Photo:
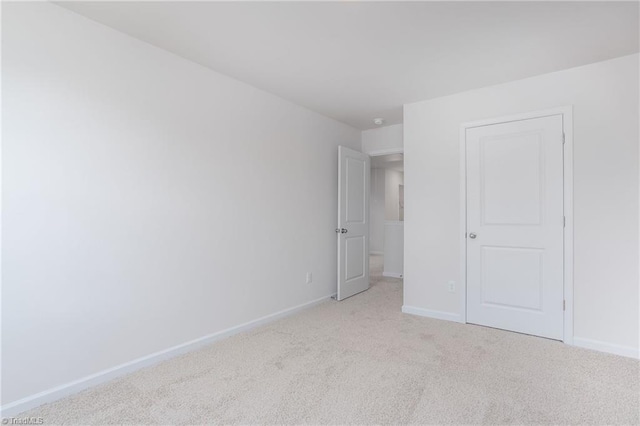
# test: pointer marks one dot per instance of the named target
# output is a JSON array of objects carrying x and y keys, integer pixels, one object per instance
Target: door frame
[
  {"x": 567, "y": 125},
  {"x": 386, "y": 151}
]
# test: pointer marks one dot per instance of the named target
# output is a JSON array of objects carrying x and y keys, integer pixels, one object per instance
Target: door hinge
[
  {"x": 563, "y": 139},
  {"x": 564, "y": 221},
  {"x": 564, "y": 305}
]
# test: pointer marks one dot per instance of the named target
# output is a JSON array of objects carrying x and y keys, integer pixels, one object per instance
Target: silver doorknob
[
  {"x": 343, "y": 231},
  {"x": 472, "y": 236}
]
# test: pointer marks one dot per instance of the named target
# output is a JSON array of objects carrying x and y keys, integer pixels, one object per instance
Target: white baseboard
[
  {"x": 377, "y": 253},
  {"x": 58, "y": 392},
  {"x": 447, "y": 316},
  {"x": 392, "y": 274},
  {"x": 611, "y": 348}
]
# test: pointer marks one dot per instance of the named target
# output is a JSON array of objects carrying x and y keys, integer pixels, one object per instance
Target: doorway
[
  {"x": 517, "y": 223},
  {"x": 370, "y": 231},
  {"x": 386, "y": 212}
]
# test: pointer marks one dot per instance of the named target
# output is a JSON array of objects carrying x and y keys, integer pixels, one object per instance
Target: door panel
[
  {"x": 354, "y": 252},
  {"x": 525, "y": 268},
  {"x": 353, "y": 222},
  {"x": 515, "y": 226},
  {"x": 511, "y": 189},
  {"x": 355, "y": 198}
]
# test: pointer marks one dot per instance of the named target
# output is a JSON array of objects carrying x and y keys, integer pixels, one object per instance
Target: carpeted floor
[{"x": 362, "y": 361}]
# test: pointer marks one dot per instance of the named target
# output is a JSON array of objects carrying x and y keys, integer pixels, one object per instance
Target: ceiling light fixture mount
[{"x": 378, "y": 121}]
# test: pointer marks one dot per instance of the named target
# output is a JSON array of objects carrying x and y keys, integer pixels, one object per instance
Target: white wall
[
  {"x": 146, "y": 199},
  {"x": 388, "y": 138},
  {"x": 393, "y": 180},
  {"x": 605, "y": 100},
  {"x": 377, "y": 211},
  {"x": 393, "y": 249}
]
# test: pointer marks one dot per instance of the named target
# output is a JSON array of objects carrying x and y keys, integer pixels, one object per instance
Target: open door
[{"x": 353, "y": 222}]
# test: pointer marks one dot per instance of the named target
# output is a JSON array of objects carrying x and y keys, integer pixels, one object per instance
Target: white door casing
[
  {"x": 514, "y": 226},
  {"x": 353, "y": 222}
]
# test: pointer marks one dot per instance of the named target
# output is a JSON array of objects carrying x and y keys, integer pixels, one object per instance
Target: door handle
[
  {"x": 341, "y": 231},
  {"x": 472, "y": 236}
]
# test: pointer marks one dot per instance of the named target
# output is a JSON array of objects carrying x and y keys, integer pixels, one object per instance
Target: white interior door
[
  {"x": 353, "y": 222},
  {"x": 515, "y": 224}
]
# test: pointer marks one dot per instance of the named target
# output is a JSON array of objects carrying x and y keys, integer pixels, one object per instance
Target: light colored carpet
[{"x": 362, "y": 361}]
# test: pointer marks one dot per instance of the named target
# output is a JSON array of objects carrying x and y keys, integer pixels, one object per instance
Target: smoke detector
[{"x": 378, "y": 121}]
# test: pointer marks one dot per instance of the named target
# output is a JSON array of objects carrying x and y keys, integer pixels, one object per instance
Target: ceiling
[{"x": 355, "y": 61}]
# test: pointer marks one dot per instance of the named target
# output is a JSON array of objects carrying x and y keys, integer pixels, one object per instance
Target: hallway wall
[{"x": 377, "y": 211}]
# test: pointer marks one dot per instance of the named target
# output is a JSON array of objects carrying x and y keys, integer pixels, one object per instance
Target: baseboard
[
  {"x": 104, "y": 376},
  {"x": 392, "y": 274},
  {"x": 447, "y": 316},
  {"x": 611, "y": 348},
  {"x": 377, "y": 253}
]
